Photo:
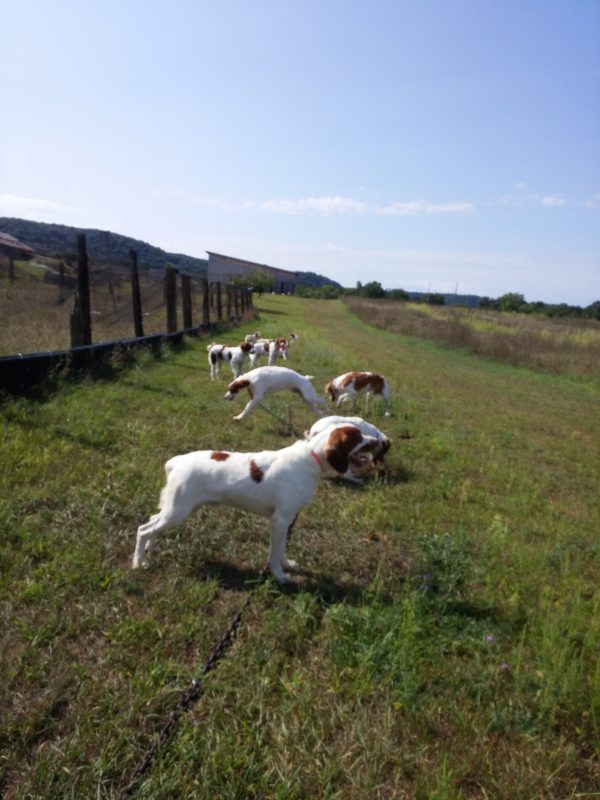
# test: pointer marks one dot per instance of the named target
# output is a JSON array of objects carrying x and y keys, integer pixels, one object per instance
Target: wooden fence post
[
  {"x": 171, "y": 298},
  {"x": 228, "y": 296},
  {"x": 136, "y": 298},
  {"x": 219, "y": 302},
  {"x": 236, "y": 300},
  {"x": 81, "y": 325},
  {"x": 186, "y": 301},
  {"x": 205, "y": 304}
]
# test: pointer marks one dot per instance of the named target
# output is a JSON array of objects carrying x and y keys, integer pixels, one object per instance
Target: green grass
[{"x": 440, "y": 641}]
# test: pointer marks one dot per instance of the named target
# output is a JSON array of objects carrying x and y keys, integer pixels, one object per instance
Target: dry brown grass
[
  {"x": 35, "y": 314},
  {"x": 570, "y": 346}
]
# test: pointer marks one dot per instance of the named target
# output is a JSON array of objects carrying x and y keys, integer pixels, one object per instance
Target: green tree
[
  {"x": 511, "y": 301},
  {"x": 259, "y": 280},
  {"x": 372, "y": 289}
]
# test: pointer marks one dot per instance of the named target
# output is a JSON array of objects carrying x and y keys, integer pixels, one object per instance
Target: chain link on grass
[{"x": 192, "y": 693}]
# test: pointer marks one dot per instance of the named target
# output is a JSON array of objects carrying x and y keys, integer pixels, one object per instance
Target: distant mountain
[
  {"x": 104, "y": 247},
  {"x": 316, "y": 281}
]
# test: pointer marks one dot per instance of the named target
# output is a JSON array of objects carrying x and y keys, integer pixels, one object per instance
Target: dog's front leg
[
  {"x": 249, "y": 406},
  {"x": 278, "y": 563}
]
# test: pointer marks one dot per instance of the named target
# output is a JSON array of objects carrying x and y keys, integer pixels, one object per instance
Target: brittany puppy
[
  {"x": 221, "y": 353},
  {"x": 352, "y": 384},
  {"x": 263, "y": 381},
  {"x": 367, "y": 429},
  {"x": 274, "y": 483}
]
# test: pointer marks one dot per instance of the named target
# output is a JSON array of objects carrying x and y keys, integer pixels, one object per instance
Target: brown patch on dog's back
[
  {"x": 219, "y": 455},
  {"x": 369, "y": 380},
  {"x": 246, "y": 347},
  {"x": 237, "y": 386},
  {"x": 256, "y": 472},
  {"x": 351, "y": 376}
]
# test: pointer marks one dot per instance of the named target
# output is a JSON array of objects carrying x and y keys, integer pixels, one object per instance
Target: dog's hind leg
[{"x": 170, "y": 515}]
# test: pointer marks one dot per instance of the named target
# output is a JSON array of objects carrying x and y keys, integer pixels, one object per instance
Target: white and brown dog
[
  {"x": 264, "y": 381},
  {"x": 352, "y": 384},
  {"x": 274, "y": 483},
  {"x": 367, "y": 429},
  {"x": 222, "y": 353},
  {"x": 272, "y": 348}
]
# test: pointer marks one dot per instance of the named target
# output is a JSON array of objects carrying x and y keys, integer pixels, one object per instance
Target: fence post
[
  {"x": 186, "y": 301},
  {"x": 219, "y": 303},
  {"x": 205, "y": 304},
  {"x": 171, "y": 298},
  {"x": 243, "y": 299},
  {"x": 136, "y": 298},
  {"x": 81, "y": 326},
  {"x": 228, "y": 296},
  {"x": 236, "y": 300}
]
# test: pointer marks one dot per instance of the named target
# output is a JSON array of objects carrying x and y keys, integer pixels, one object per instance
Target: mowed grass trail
[{"x": 441, "y": 639}]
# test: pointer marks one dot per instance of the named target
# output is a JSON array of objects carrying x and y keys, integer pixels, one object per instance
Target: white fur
[
  {"x": 273, "y": 483},
  {"x": 264, "y": 381}
]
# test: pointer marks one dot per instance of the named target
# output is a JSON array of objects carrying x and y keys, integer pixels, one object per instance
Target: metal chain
[{"x": 191, "y": 695}]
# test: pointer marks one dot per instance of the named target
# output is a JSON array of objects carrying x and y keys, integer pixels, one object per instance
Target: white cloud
[
  {"x": 346, "y": 205},
  {"x": 593, "y": 202},
  {"x": 531, "y": 200},
  {"x": 553, "y": 200},
  {"x": 12, "y": 205},
  {"x": 414, "y": 207},
  {"x": 316, "y": 205}
]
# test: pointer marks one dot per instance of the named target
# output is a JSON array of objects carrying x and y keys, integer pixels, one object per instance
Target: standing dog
[
  {"x": 263, "y": 381},
  {"x": 273, "y": 483},
  {"x": 351, "y": 384},
  {"x": 234, "y": 356}
]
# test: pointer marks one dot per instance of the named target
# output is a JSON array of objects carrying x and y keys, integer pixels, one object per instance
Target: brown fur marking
[
  {"x": 350, "y": 377},
  {"x": 339, "y": 445},
  {"x": 256, "y": 472},
  {"x": 218, "y": 455},
  {"x": 237, "y": 386},
  {"x": 370, "y": 381}
]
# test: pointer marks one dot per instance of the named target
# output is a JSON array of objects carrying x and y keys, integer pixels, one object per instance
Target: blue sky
[{"x": 425, "y": 144}]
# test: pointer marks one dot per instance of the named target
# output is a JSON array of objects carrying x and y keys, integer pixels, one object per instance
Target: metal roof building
[{"x": 222, "y": 268}]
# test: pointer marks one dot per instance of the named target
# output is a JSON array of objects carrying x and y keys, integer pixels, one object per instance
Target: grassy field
[
  {"x": 557, "y": 344},
  {"x": 441, "y": 639}
]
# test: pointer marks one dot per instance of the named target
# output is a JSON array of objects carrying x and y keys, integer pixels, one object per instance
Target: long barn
[{"x": 222, "y": 268}]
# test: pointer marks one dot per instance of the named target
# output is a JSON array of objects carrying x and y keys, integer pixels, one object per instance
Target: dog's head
[
  {"x": 236, "y": 386},
  {"x": 331, "y": 391},
  {"x": 345, "y": 446}
]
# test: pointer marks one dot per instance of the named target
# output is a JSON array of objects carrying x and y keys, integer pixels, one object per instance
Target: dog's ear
[
  {"x": 329, "y": 390},
  {"x": 339, "y": 446},
  {"x": 237, "y": 386}
]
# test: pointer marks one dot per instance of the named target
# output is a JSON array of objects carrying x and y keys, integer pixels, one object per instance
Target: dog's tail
[{"x": 309, "y": 377}]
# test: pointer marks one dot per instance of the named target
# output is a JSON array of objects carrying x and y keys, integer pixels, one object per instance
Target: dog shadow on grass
[{"x": 326, "y": 590}]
